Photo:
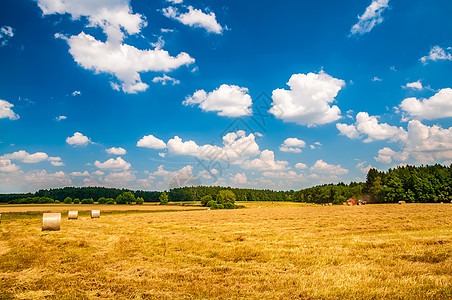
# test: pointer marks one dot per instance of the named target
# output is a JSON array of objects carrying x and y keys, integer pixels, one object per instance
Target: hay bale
[
  {"x": 0, "y": 218},
  {"x": 95, "y": 214},
  {"x": 402, "y": 202},
  {"x": 72, "y": 215},
  {"x": 330, "y": 204},
  {"x": 51, "y": 221}
]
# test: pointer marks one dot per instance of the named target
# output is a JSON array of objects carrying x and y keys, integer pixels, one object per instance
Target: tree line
[{"x": 405, "y": 183}]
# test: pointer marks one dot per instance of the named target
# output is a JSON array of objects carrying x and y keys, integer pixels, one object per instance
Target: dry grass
[{"x": 286, "y": 251}]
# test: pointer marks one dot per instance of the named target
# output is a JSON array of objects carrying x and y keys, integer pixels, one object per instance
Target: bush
[
  {"x": 139, "y": 201},
  {"x": 211, "y": 203},
  {"x": 229, "y": 205},
  {"x": 110, "y": 201},
  {"x": 102, "y": 200},
  {"x": 68, "y": 200},
  {"x": 206, "y": 199},
  {"x": 76, "y": 201},
  {"x": 220, "y": 206},
  {"x": 57, "y": 201},
  {"x": 88, "y": 201}
]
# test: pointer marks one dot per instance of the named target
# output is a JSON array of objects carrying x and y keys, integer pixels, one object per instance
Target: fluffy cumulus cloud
[
  {"x": 436, "y": 107},
  {"x": 435, "y": 54},
  {"x": 6, "y": 166},
  {"x": 228, "y": 100},
  {"x": 308, "y": 100},
  {"x": 386, "y": 155},
  {"x": 363, "y": 168},
  {"x": 370, "y": 18},
  {"x": 372, "y": 129},
  {"x": 114, "y": 57},
  {"x": 237, "y": 146},
  {"x": 6, "y": 111},
  {"x": 25, "y": 157},
  {"x": 150, "y": 141},
  {"x": 60, "y": 118},
  {"x": 80, "y": 174},
  {"x": 266, "y": 162},
  {"x": 322, "y": 168},
  {"x": 301, "y": 166},
  {"x": 6, "y": 32},
  {"x": 78, "y": 139},
  {"x": 113, "y": 164},
  {"x": 417, "y": 85},
  {"x": 195, "y": 18},
  {"x": 292, "y": 145},
  {"x": 119, "y": 179},
  {"x": 123, "y": 61},
  {"x": 116, "y": 151}
]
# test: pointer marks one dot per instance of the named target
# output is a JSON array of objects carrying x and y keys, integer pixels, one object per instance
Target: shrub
[
  {"x": 102, "y": 200},
  {"x": 229, "y": 205},
  {"x": 206, "y": 199},
  {"x": 211, "y": 203},
  {"x": 76, "y": 201},
  {"x": 88, "y": 201},
  {"x": 139, "y": 201},
  {"x": 226, "y": 196},
  {"x": 67, "y": 200},
  {"x": 110, "y": 201},
  {"x": 220, "y": 206},
  {"x": 57, "y": 201}
]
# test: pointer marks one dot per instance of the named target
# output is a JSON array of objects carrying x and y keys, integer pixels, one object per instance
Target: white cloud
[
  {"x": 6, "y": 111},
  {"x": 349, "y": 131},
  {"x": 56, "y": 161},
  {"x": 175, "y": 1},
  {"x": 76, "y": 93},
  {"x": 78, "y": 139},
  {"x": 371, "y": 17},
  {"x": 417, "y": 85},
  {"x": 386, "y": 155},
  {"x": 165, "y": 79},
  {"x": 150, "y": 141},
  {"x": 436, "y": 107},
  {"x": 6, "y": 32},
  {"x": 266, "y": 162},
  {"x": 239, "y": 178},
  {"x": 59, "y": 118},
  {"x": 26, "y": 157},
  {"x": 376, "y": 79},
  {"x": 116, "y": 151},
  {"x": 195, "y": 18},
  {"x": 7, "y": 167},
  {"x": 237, "y": 146},
  {"x": 228, "y": 100},
  {"x": 370, "y": 127},
  {"x": 308, "y": 100},
  {"x": 321, "y": 167},
  {"x": 285, "y": 176},
  {"x": 123, "y": 61},
  {"x": 115, "y": 16},
  {"x": 80, "y": 174},
  {"x": 98, "y": 173},
  {"x": 301, "y": 166},
  {"x": 292, "y": 145},
  {"x": 113, "y": 164},
  {"x": 436, "y": 53},
  {"x": 46, "y": 180},
  {"x": 363, "y": 168}
]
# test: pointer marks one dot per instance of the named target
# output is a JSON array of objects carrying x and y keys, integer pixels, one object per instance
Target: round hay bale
[
  {"x": 51, "y": 221},
  {"x": 402, "y": 202},
  {"x": 95, "y": 213},
  {"x": 72, "y": 215},
  {"x": 330, "y": 204}
]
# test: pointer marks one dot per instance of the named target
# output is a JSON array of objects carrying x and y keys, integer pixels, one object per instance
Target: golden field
[{"x": 266, "y": 251}]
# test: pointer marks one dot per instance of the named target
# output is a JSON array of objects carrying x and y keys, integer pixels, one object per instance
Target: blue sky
[{"x": 281, "y": 95}]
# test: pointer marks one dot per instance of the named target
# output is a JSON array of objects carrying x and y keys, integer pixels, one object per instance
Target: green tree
[
  {"x": 226, "y": 196},
  {"x": 102, "y": 200},
  {"x": 68, "y": 200},
  {"x": 76, "y": 201},
  {"x": 139, "y": 201},
  {"x": 163, "y": 198},
  {"x": 129, "y": 197},
  {"x": 206, "y": 199}
]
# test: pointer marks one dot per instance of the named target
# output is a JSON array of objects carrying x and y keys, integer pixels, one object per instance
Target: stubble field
[{"x": 267, "y": 251}]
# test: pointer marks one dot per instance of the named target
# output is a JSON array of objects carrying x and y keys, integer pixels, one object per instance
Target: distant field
[
  {"x": 268, "y": 251},
  {"x": 64, "y": 208}
]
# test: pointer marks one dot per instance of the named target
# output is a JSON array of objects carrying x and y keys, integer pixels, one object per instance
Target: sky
[{"x": 154, "y": 95}]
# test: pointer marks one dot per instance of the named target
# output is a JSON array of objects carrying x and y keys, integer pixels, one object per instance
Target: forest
[{"x": 405, "y": 183}]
